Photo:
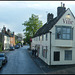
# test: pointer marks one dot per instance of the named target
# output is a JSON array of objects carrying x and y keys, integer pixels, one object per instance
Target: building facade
[
  {"x": 6, "y": 42},
  {"x": 12, "y": 39},
  {"x": 5, "y": 37},
  {"x": 55, "y": 40}
]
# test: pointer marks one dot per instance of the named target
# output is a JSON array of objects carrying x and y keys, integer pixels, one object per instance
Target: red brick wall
[{"x": 12, "y": 40}]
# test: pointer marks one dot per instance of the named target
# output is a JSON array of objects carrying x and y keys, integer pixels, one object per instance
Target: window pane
[
  {"x": 46, "y": 37},
  {"x": 64, "y": 36},
  {"x": 68, "y": 55},
  {"x": 68, "y": 30},
  {"x": 58, "y": 36},
  {"x": 42, "y": 37},
  {"x": 39, "y": 38},
  {"x": 46, "y": 52},
  {"x": 68, "y": 36},
  {"x": 58, "y": 30},
  {"x": 59, "y": 33},
  {"x": 42, "y": 50},
  {"x": 56, "y": 56},
  {"x": 64, "y": 30}
]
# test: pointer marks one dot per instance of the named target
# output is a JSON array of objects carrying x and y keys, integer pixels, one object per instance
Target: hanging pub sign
[
  {"x": 67, "y": 21},
  {"x": 30, "y": 39}
]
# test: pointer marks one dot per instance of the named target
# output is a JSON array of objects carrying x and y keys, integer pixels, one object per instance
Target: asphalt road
[{"x": 20, "y": 62}]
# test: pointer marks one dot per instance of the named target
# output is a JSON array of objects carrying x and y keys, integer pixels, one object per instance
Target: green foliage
[
  {"x": 17, "y": 42},
  {"x": 32, "y": 25},
  {"x": 0, "y": 46}
]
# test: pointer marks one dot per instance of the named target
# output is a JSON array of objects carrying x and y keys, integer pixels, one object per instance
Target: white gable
[{"x": 67, "y": 19}]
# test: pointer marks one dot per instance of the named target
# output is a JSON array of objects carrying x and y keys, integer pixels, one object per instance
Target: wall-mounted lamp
[{"x": 68, "y": 16}]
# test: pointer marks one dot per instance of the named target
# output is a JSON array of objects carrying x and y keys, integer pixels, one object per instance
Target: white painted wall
[
  {"x": 6, "y": 42},
  {"x": 43, "y": 43},
  {"x": 58, "y": 45},
  {"x": 62, "y": 45}
]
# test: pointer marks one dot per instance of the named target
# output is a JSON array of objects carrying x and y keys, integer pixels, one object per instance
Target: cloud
[
  {"x": 40, "y": 5},
  {"x": 40, "y": 16},
  {"x": 28, "y": 4},
  {"x": 3, "y": 24},
  {"x": 8, "y": 26},
  {"x": 14, "y": 13}
]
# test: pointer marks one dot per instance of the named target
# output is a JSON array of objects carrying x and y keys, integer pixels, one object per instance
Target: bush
[{"x": 0, "y": 46}]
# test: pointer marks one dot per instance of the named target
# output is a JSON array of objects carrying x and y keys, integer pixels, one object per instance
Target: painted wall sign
[{"x": 67, "y": 21}]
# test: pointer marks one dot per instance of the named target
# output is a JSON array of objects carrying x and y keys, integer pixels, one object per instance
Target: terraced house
[
  {"x": 7, "y": 38},
  {"x": 55, "y": 40}
]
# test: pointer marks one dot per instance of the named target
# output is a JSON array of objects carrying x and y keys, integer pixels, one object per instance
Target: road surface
[{"x": 20, "y": 62}]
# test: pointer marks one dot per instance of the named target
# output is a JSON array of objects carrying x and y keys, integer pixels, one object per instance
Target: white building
[
  {"x": 5, "y": 39},
  {"x": 6, "y": 42},
  {"x": 55, "y": 40}
]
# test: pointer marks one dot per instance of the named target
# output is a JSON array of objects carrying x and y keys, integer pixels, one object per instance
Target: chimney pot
[
  {"x": 63, "y": 5},
  {"x": 60, "y": 10}
]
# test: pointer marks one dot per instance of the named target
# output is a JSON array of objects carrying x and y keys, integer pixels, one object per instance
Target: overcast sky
[{"x": 14, "y": 13}]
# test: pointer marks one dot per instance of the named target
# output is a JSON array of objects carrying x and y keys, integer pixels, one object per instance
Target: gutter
[{"x": 50, "y": 47}]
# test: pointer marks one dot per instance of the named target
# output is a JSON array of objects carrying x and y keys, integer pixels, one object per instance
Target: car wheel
[
  {"x": 6, "y": 61},
  {"x": 1, "y": 66}
]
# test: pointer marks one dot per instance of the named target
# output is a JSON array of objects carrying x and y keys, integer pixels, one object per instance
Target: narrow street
[{"x": 19, "y": 62}]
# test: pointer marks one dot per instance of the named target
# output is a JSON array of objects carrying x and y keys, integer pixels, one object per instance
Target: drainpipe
[{"x": 50, "y": 47}]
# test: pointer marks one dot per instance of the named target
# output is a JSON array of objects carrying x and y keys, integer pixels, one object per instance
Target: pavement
[{"x": 56, "y": 69}]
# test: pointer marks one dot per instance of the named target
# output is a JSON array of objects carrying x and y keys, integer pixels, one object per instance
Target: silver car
[{"x": 3, "y": 57}]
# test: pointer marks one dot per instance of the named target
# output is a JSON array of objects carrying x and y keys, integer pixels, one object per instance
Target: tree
[
  {"x": 0, "y": 46},
  {"x": 18, "y": 38},
  {"x": 32, "y": 25},
  {"x": 19, "y": 35}
]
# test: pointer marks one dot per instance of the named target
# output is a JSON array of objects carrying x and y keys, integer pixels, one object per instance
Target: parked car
[
  {"x": 17, "y": 46},
  {"x": 12, "y": 48},
  {"x": 1, "y": 64},
  {"x": 3, "y": 57}
]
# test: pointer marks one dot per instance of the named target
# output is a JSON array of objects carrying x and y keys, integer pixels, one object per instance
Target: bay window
[{"x": 64, "y": 32}]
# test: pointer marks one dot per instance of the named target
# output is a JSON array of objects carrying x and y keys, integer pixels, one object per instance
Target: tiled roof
[
  {"x": 47, "y": 26},
  {"x": 8, "y": 34}
]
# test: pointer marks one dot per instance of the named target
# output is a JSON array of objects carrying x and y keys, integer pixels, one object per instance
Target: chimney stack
[
  {"x": 13, "y": 33},
  {"x": 61, "y": 9},
  {"x": 49, "y": 17},
  {"x": 4, "y": 28},
  {"x": 8, "y": 30}
]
